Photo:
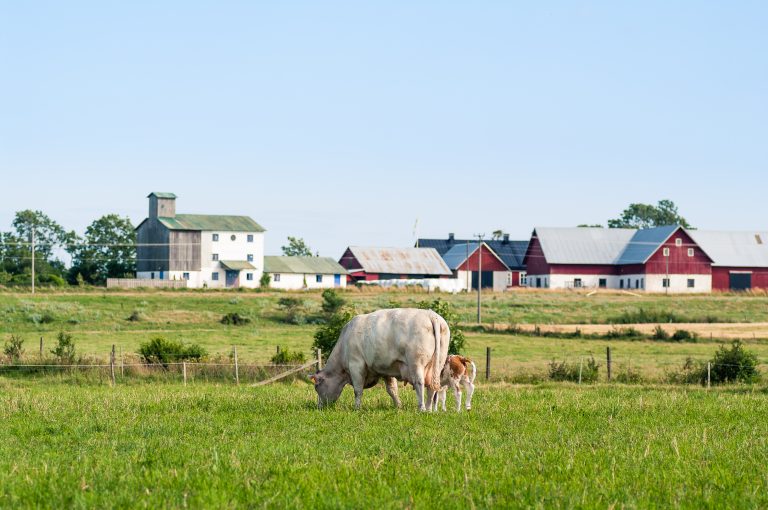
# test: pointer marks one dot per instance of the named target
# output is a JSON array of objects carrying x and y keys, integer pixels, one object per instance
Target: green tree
[
  {"x": 296, "y": 248},
  {"x": 648, "y": 216},
  {"x": 108, "y": 250}
]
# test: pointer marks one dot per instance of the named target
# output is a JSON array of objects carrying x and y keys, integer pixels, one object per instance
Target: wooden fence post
[
  {"x": 122, "y": 364},
  {"x": 608, "y": 358},
  {"x": 319, "y": 359},
  {"x": 237, "y": 369},
  {"x": 487, "y": 363},
  {"x": 581, "y": 364},
  {"x": 41, "y": 348},
  {"x": 112, "y": 364},
  {"x": 709, "y": 372},
  {"x": 184, "y": 370}
]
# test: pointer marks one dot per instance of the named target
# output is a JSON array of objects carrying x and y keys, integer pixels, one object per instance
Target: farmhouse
[
  {"x": 662, "y": 259},
  {"x": 205, "y": 250},
  {"x": 374, "y": 264},
  {"x": 510, "y": 252},
  {"x": 304, "y": 273}
]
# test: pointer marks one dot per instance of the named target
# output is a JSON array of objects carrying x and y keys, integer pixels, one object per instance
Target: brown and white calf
[{"x": 455, "y": 374}]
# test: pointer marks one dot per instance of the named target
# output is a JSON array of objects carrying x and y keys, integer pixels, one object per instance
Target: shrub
[
  {"x": 623, "y": 333},
  {"x": 683, "y": 335},
  {"x": 629, "y": 375},
  {"x": 235, "y": 319},
  {"x": 264, "y": 280},
  {"x": 287, "y": 357},
  {"x": 65, "y": 348},
  {"x": 660, "y": 333},
  {"x": 734, "y": 364},
  {"x": 692, "y": 372},
  {"x": 446, "y": 311},
  {"x": 295, "y": 312},
  {"x": 332, "y": 302},
  {"x": 14, "y": 347},
  {"x": 161, "y": 350},
  {"x": 564, "y": 371},
  {"x": 135, "y": 316},
  {"x": 643, "y": 316},
  {"x": 327, "y": 335}
]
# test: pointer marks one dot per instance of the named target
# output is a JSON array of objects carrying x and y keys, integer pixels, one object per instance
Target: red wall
[
  {"x": 490, "y": 262},
  {"x": 721, "y": 279},
  {"x": 679, "y": 261},
  {"x": 534, "y": 260}
]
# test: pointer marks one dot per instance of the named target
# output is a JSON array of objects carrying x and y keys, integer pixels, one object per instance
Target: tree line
[{"x": 107, "y": 249}]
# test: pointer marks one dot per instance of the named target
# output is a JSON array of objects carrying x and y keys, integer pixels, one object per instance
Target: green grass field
[{"x": 164, "y": 446}]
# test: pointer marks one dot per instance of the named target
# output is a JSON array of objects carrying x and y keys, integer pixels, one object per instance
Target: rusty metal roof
[{"x": 405, "y": 261}]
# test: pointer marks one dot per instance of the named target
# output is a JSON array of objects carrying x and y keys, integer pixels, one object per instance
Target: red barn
[
  {"x": 370, "y": 264},
  {"x": 740, "y": 259},
  {"x": 470, "y": 260}
]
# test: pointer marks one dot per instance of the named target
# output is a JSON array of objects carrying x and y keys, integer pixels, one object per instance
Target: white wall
[
  {"x": 678, "y": 283},
  {"x": 296, "y": 281},
  {"x": 649, "y": 283}
]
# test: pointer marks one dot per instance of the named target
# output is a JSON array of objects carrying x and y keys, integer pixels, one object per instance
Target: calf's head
[{"x": 328, "y": 387}]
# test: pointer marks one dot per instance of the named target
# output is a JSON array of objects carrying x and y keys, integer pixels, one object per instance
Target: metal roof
[
  {"x": 160, "y": 194},
  {"x": 645, "y": 243},
  {"x": 733, "y": 248},
  {"x": 211, "y": 222},
  {"x": 303, "y": 265},
  {"x": 458, "y": 254},
  {"x": 511, "y": 253},
  {"x": 416, "y": 261},
  {"x": 236, "y": 265},
  {"x": 583, "y": 245}
]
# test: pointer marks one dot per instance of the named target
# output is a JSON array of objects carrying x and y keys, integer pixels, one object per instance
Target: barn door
[
  {"x": 740, "y": 281},
  {"x": 487, "y": 280},
  {"x": 337, "y": 280}
]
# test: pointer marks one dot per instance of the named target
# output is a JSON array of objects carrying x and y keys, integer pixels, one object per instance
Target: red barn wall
[
  {"x": 679, "y": 261},
  {"x": 721, "y": 279},
  {"x": 490, "y": 262},
  {"x": 535, "y": 262}
]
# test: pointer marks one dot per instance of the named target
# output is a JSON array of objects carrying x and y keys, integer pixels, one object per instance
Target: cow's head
[{"x": 327, "y": 386}]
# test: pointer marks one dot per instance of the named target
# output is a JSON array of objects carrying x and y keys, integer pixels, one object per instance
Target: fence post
[
  {"x": 41, "y": 348},
  {"x": 709, "y": 372},
  {"x": 184, "y": 370},
  {"x": 608, "y": 358},
  {"x": 487, "y": 363},
  {"x": 112, "y": 364},
  {"x": 319, "y": 359},
  {"x": 581, "y": 364},
  {"x": 237, "y": 369}
]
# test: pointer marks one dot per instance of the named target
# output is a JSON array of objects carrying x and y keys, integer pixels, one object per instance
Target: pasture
[{"x": 546, "y": 446}]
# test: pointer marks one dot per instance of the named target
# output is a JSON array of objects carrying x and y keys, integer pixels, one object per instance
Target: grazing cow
[
  {"x": 455, "y": 373},
  {"x": 401, "y": 343}
]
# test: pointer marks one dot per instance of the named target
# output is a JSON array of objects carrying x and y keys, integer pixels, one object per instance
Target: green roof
[
  {"x": 236, "y": 265},
  {"x": 211, "y": 222},
  {"x": 302, "y": 265},
  {"x": 160, "y": 194}
]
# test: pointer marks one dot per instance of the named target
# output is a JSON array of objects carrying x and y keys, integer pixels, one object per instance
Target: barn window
[
  {"x": 690, "y": 252},
  {"x": 665, "y": 283},
  {"x": 666, "y": 252},
  {"x": 250, "y": 238},
  {"x": 185, "y": 276},
  {"x": 577, "y": 283},
  {"x": 215, "y": 256},
  {"x": 249, "y": 277},
  {"x": 215, "y": 237},
  {"x": 276, "y": 277},
  {"x": 152, "y": 276},
  {"x": 215, "y": 276},
  {"x": 319, "y": 278},
  {"x": 233, "y": 237},
  {"x": 691, "y": 283},
  {"x": 621, "y": 283},
  {"x": 602, "y": 283},
  {"x": 678, "y": 242},
  {"x": 523, "y": 280},
  {"x": 642, "y": 283},
  {"x": 250, "y": 257}
]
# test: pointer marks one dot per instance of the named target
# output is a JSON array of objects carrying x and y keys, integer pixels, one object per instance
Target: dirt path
[{"x": 716, "y": 330}]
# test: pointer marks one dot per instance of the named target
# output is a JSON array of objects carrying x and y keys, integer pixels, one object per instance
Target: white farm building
[
  {"x": 213, "y": 251},
  {"x": 293, "y": 273}
]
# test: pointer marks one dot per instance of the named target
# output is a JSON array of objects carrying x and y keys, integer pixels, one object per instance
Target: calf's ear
[{"x": 313, "y": 378}]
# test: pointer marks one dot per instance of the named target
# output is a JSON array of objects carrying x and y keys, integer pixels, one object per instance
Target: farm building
[
  {"x": 510, "y": 252},
  {"x": 739, "y": 259},
  {"x": 467, "y": 261},
  {"x": 204, "y": 250},
  {"x": 662, "y": 259},
  {"x": 304, "y": 273},
  {"x": 375, "y": 264}
]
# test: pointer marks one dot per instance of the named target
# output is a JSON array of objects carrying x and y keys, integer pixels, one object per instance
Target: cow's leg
[
  {"x": 457, "y": 395},
  {"x": 391, "y": 384},
  {"x": 470, "y": 391},
  {"x": 418, "y": 385},
  {"x": 358, "y": 383},
  {"x": 443, "y": 396}
]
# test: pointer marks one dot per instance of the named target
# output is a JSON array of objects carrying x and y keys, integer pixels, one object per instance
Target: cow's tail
[
  {"x": 474, "y": 372},
  {"x": 437, "y": 367}
]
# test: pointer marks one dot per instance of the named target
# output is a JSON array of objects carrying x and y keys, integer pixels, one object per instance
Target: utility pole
[
  {"x": 669, "y": 253},
  {"x": 479, "y": 274},
  {"x": 33, "y": 260}
]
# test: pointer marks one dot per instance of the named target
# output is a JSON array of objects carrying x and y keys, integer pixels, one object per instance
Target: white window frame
[
  {"x": 665, "y": 251},
  {"x": 185, "y": 276},
  {"x": 665, "y": 283},
  {"x": 678, "y": 242},
  {"x": 249, "y": 238},
  {"x": 276, "y": 277},
  {"x": 215, "y": 238},
  {"x": 249, "y": 257},
  {"x": 691, "y": 283},
  {"x": 690, "y": 252},
  {"x": 318, "y": 278},
  {"x": 523, "y": 279},
  {"x": 215, "y": 257},
  {"x": 249, "y": 277},
  {"x": 215, "y": 276}
]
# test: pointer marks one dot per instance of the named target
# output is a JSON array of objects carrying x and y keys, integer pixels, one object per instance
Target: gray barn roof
[
  {"x": 511, "y": 253},
  {"x": 415, "y": 261},
  {"x": 645, "y": 243},
  {"x": 583, "y": 245},
  {"x": 733, "y": 248}
]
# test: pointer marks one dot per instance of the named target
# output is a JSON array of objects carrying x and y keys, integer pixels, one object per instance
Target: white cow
[
  {"x": 455, "y": 374},
  {"x": 401, "y": 343}
]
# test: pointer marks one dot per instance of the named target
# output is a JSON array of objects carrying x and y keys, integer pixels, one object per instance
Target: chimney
[
  {"x": 162, "y": 205},
  {"x": 506, "y": 239},
  {"x": 450, "y": 237}
]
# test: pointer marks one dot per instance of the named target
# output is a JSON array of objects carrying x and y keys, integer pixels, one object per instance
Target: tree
[
  {"x": 108, "y": 250},
  {"x": 497, "y": 234},
  {"x": 15, "y": 250},
  {"x": 48, "y": 233},
  {"x": 296, "y": 248},
  {"x": 648, "y": 216},
  {"x": 584, "y": 225}
]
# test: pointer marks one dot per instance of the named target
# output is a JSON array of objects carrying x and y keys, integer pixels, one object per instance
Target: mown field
[
  {"x": 221, "y": 446},
  {"x": 99, "y": 319}
]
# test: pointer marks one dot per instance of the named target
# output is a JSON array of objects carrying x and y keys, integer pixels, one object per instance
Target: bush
[
  {"x": 629, "y": 375},
  {"x": 135, "y": 316},
  {"x": 65, "y": 348},
  {"x": 14, "y": 348},
  {"x": 264, "y": 280},
  {"x": 683, "y": 335},
  {"x": 294, "y": 310},
  {"x": 623, "y": 333},
  {"x": 235, "y": 319},
  {"x": 161, "y": 350},
  {"x": 328, "y": 334},
  {"x": 332, "y": 302},
  {"x": 660, "y": 333},
  {"x": 446, "y": 311},
  {"x": 734, "y": 364},
  {"x": 692, "y": 372},
  {"x": 287, "y": 357},
  {"x": 564, "y": 371}
]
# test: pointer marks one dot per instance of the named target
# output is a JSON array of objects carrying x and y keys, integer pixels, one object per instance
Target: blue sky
[{"x": 343, "y": 122}]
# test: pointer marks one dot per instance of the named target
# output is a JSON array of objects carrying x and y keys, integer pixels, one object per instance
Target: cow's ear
[{"x": 313, "y": 378}]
